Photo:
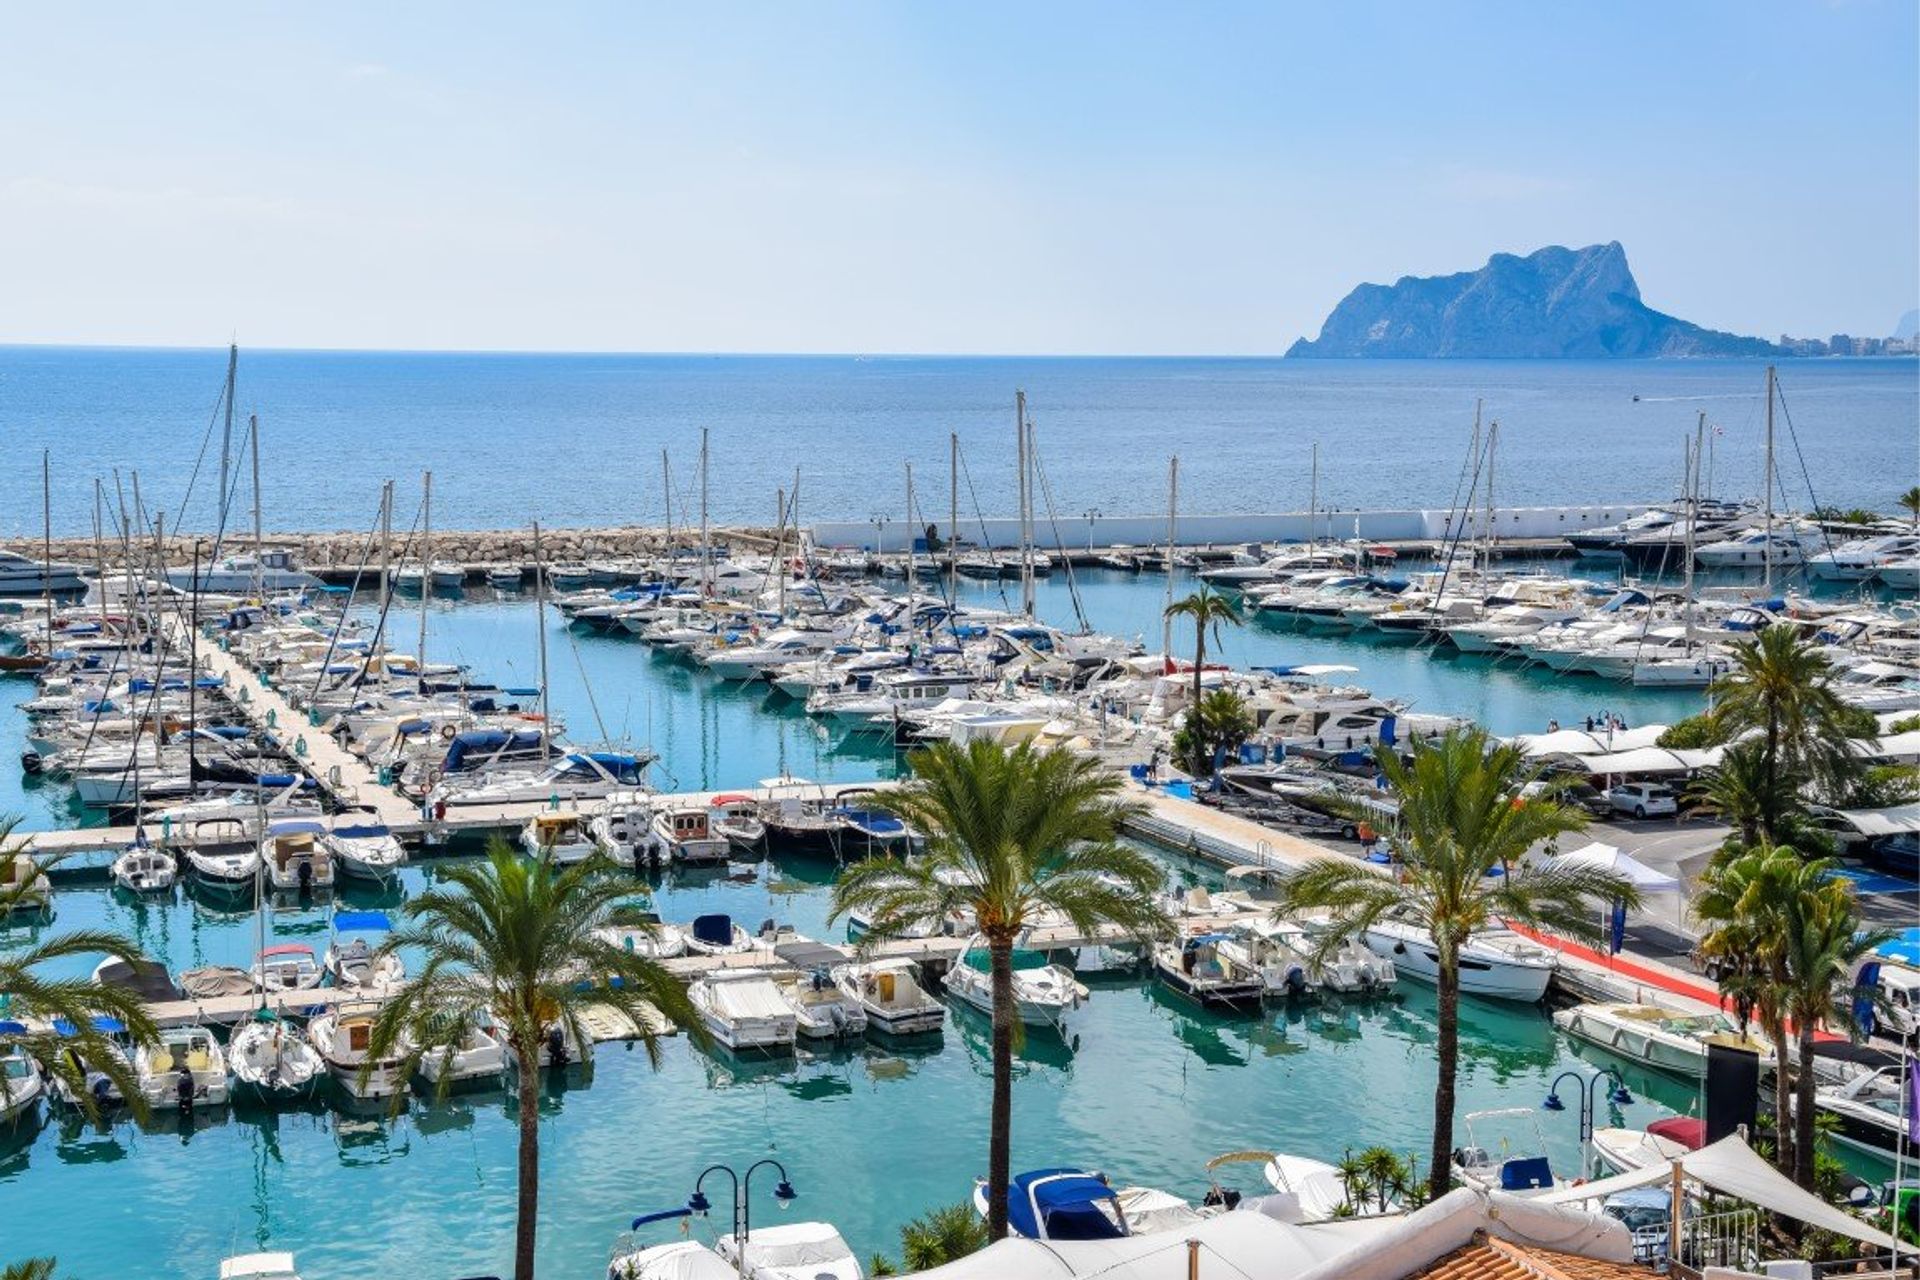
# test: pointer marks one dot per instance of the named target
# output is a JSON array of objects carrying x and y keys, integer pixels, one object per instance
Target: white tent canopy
[
  {"x": 1579, "y": 742},
  {"x": 1729, "y": 1166},
  {"x": 1651, "y": 759},
  {"x": 1873, "y": 823},
  {"x": 1606, "y": 857}
]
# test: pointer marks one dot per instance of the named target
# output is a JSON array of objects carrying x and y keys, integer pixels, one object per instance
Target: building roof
[{"x": 1487, "y": 1259}]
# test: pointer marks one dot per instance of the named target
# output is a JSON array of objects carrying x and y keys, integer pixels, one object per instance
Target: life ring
[
  {"x": 448, "y": 733},
  {"x": 533, "y": 716}
]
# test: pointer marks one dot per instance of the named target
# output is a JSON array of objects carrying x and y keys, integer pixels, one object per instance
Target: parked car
[
  {"x": 1578, "y": 795},
  {"x": 1899, "y": 854},
  {"x": 1643, "y": 800}
]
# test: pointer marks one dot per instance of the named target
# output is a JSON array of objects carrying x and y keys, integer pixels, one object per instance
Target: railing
[{"x": 1729, "y": 1238}]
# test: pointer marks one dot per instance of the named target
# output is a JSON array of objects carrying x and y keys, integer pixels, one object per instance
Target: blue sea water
[{"x": 575, "y": 440}]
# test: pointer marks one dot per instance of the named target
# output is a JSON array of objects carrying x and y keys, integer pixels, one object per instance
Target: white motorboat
[
  {"x": 780, "y": 648},
  {"x": 1629, "y": 1150},
  {"x": 296, "y": 860},
  {"x": 736, "y": 819},
  {"x": 743, "y": 1009},
  {"x": 646, "y": 936},
  {"x": 1860, "y": 559},
  {"x": 1657, "y": 1037},
  {"x": 717, "y": 935},
  {"x": 579, "y": 775},
  {"x": 222, "y": 854},
  {"x": 1496, "y": 963},
  {"x": 353, "y": 960},
  {"x": 1318, "y": 1194},
  {"x": 20, "y": 576},
  {"x": 1043, "y": 993},
  {"x": 342, "y": 1036},
  {"x": 1071, "y": 1204},
  {"x": 365, "y": 848},
  {"x": 288, "y": 966},
  {"x": 1756, "y": 548},
  {"x": 1871, "y": 1113},
  {"x": 184, "y": 1067},
  {"x": 99, "y": 1086},
  {"x": 1505, "y": 1151},
  {"x": 273, "y": 569},
  {"x": 680, "y": 1260},
  {"x": 143, "y": 869},
  {"x": 272, "y": 1058},
  {"x": 893, "y": 1000},
  {"x": 1279, "y": 951},
  {"x": 689, "y": 835},
  {"x": 1351, "y": 968},
  {"x": 791, "y": 1251},
  {"x": 20, "y": 1084},
  {"x": 821, "y": 1010},
  {"x": 259, "y": 1266},
  {"x": 560, "y": 836},
  {"x": 623, "y": 826},
  {"x": 476, "y": 1056},
  {"x": 1196, "y": 968},
  {"x": 505, "y": 577}
]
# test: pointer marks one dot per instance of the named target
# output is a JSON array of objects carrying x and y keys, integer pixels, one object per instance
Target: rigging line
[
  {"x": 386, "y": 607},
  {"x": 573, "y": 642},
  {"x": 986, "y": 542},
  {"x": 206, "y": 439},
  {"x": 1480, "y": 456},
  {"x": 1801, "y": 457},
  {"x": 353, "y": 590},
  {"x": 1053, "y": 519}
]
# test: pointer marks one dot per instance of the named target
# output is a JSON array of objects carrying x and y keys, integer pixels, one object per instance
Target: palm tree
[
  {"x": 514, "y": 939},
  {"x": 1781, "y": 688},
  {"x": 1911, "y": 501},
  {"x": 27, "y": 994},
  {"x": 940, "y": 1236},
  {"x": 1743, "y": 793},
  {"x": 1463, "y": 833},
  {"x": 1210, "y": 611},
  {"x": 31, "y": 1269},
  {"x": 1219, "y": 721},
  {"x": 1010, "y": 834}
]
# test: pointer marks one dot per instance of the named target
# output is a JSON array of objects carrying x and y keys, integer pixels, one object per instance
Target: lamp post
[
  {"x": 1589, "y": 1088},
  {"x": 1091, "y": 515},
  {"x": 698, "y": 1203}
]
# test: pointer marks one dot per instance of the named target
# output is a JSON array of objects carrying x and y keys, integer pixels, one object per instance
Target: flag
[
  {"x": 1617, "y": 927},
  {"x": 1913, "y": 1100}
]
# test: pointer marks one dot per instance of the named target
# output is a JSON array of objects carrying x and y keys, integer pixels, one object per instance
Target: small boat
[
  {"x": 20, "y": 1084},
  {"x": 791, "y": 1251},
  {"x": 1075, "y": 1204},
  {"x": 1496, "y": 963},
  {"x": 1195, "y": 968},
  {"x": 645, "y": 936},
  {"x": 1276, "y": 950},
  {"x": 342, "y": 1036},
  {"x": 1628, "y": 1150},
  {"x": 272, "y": 1059},
  {"x": 689, "y": 836},
  {"x": 296, "y": 858},
  {"x": 227, "y": 867},
  {"x": 894, "y": 1002},
  {"x": 99, "y": 1086},
  {"x": 365, "y": 848},
  {"x": 24, "y": 887},
  {"x": 505, "y": 577},
  {"x": 822, "y": 1011},
  {"x": 1352, "y": 968},
  {"x": 1516, "y": 1162},
  {"x": 736, "y": 818},
  {"x": 1043, "y": 993},
  {"x": 623, "y": 827},
  {"x": 560, "y": 836},
  {"x": 680, "y": 1260},
  {"x": 289, "y": 966},
  {"x": 477, "y": 1056},
  {"x": 184, "y": 1067},
  {"x": 143, "y": 869},
  {"x": 259, "y": 1266},
  {"x": 717, "y": 935},
  {"x": 1315, "y": 1187},
  {"x": 743, "y": 1009},
  {"x": 354, "y": 962},
  {"x": 1656, "y": 1037}
]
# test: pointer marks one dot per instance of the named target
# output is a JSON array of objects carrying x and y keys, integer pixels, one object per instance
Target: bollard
[
  {"x": 300, "y": 746},
  {"x": 273, "y": 718},
  {"x": 553, "y": 801}
]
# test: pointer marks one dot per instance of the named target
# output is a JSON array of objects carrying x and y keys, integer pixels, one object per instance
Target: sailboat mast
[
  {"x": 953, "y": 515},
  {"x": 1493, "y": 530},
  {"x": 386, "y": 541},
  {"x": 706, "y": 532},
  {"x": 1026, "y": 500},
  {"x": 1173, "y": 507},
  {"x": 46, "y": 540},
  {"x": 426, "y": 567},
  {"x": 1694, "y": 474},
  {"x": 99, "y": 558},
  {"x": 1313, "y": 498},
  {"x": 910, "y": 575},
  {"x": 666, "y": 498},
  {"x": 780, "y": 548},
  {"x": 540, "y": 631},
  {"x": 259, "y": 538},
  {"x": 1766, "y": 549},
  {"x": 226, "y": 443}
]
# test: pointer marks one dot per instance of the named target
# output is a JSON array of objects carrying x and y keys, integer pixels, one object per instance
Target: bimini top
[
  {"x": 1063, "y": 1204},
  {"x": 716, "y": 930}
]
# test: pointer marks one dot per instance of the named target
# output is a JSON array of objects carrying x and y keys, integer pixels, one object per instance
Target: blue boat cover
[
  {"x": 11, "y": 1028},
  {"x": 485, "y": 741},
  {"x": 296, "y": 827},
  {"x": 361, "y": 921},
  {"x": 1526, "y": 1173},
  {"x": 1061, "y": 1204},
  {"x": 716, "y": 930}
]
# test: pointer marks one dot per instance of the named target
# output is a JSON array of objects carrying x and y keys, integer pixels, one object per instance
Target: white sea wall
[{"x": 1201, "y": 530}]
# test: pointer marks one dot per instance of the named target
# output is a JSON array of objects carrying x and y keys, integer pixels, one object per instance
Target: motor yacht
[
  {"x": 342, "y": 1036},
  {"x": 364, "y": 847},
  {"x": 1496, "y": 963},
  {"x": 353, "y": 960},
  {"x": 894, "y": 1001},
  {"x": 687, "y": 831},
  {"x": 1196, "y": 968},
  {"x": 184, "y": 1067},
  {"x": 1043, "y": 993},
  {"x": 1861, "y": 559},
  {"x": 1655, "y": 1037},
  {"x": 559, "y": 836},
  {"x": 679, "y": 1260},
  {"x": 821, "y": 1010},
  {"x": 579, "y": 775},
  {"x": 744, "y": 1010}
]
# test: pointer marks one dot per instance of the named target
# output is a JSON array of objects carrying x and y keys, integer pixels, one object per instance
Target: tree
[
  {"x": 1743, "y": 793},
  {"x": 1781, "y": 690},
  {"x": 27, "y": 994},
  {"x": 1010, "y": 834},
  {"x": 31, "y": 1269},
  {"x": 1210, "y": 611},
  {"x": 1463, "y": 832},
  {"x": 1219, "y": 722},
  {"x": 1911, "y": 501},
  {"x": 514, "y": 939},
  {"x": 940, "y": 1236}
]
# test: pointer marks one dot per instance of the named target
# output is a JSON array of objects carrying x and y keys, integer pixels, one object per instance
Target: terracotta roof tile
[{"x": 1486, "y": 1259}]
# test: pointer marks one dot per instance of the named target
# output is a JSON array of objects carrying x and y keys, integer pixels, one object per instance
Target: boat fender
[
  {"x": 1296, "y": 980},
  {"x": 1399, "y": 948},
  {"x": 334, "y": 776},
  {"x": 448, "y": 733},
  {"x": 556, "y": 1047}
]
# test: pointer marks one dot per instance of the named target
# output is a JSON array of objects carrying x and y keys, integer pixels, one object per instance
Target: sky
[{"x": 838, "y": 176}]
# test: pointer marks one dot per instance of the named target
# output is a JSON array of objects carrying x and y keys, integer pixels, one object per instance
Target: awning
[
  {"x": 1730, "y": 1167},
  {"x": 1874, "y": 823},
  {"x": 1651, "y": 760},
  {"x": 1580, "y": 742},
  {"x": 1605, "y": 857}
]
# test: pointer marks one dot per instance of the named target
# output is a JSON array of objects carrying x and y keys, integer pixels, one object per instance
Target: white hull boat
[
  {"x": 1496, "y": 963},
  {"x": 141, "y": 870},
  {"x": 894, "y": 1002},
  {"x": 185, "y": 1068},
  {"x": 273, "y": 1059},
  {"x": 342, "y": 1037},
  {"x": 744, "y": 1011},
  {"x": 1656, "y": 1037},
  {"x": 1043, "y": 994}
]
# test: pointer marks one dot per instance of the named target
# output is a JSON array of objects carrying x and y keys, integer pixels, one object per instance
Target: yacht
[
  {"x": 1496, "y": 963},
  {"x": 1043, "y": 993},
  {"x": 1629, "y": 1150},
  {"x": 743, "y": 1009},
  {"x": 353, "y": 962},
  {"x": 477, "y": 1056},
  {"x": 579, "y": 775},
  {"x": 1066, "y": 1203},
  {"x": 342, "y": 1036},
  {"x": 1279, "y": 951},
  {"x": 365, "y": 848},
  {"x": 790, "y": 1251},
  {"x": 272, "y": 1059},
  {"x": 1869, "y": 1113},
  {"x": 559, "y": 836},
  {"x": 1860, "y": 560},
  {"x": 687, "y": 832},
  {"x": 1196, "y": 968},
  {"x": 1606, "y": 541},
  {"x": 894, "y": 1002},
  {"x": 20, "y": 1084},
  {"x": 20, "y": 576},
  {"x": 1782, "y": 547},
  {"x": 1656, "y": 1037},
  {"x": 778, "y": 649},
  {"x": 1351, "y": 968},
  {"x": 184, "y": 1067},
  {"x": 273, "y": 569}
]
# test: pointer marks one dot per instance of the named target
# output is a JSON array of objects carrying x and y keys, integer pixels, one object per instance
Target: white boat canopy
[
  {"x": 1580, "y": 742},
  {"x": 1606, "y": 857},
  {"x": 1730, "y": 1167}
]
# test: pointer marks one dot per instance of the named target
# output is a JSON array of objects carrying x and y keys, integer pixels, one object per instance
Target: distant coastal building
[{"x": 1841, "y": 344}]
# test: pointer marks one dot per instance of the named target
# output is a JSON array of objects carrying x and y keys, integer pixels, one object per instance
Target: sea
[
  {"x": 1145, "y": 1087},
  {"x": 578, "y": 440}
]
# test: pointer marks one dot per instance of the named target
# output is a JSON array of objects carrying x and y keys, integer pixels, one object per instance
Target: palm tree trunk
[
  {"x": 1000, "y": 1126},
  {"x": 529, "y": 1206},
  {"x": 1804, "y": 1148},
  {"x": 1782, "y": 1100},
  {"x": 1199, "y": 662},
  {"x": 1440, "y": 1173}
]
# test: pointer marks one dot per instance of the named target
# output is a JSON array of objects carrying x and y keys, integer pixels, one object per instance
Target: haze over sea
[{"x": 575, "y": 440}]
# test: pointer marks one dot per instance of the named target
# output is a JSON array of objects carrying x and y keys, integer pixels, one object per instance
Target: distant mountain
[
  {"x": 1909, "y": 326},
  {"x": 1556, "y": 303}
]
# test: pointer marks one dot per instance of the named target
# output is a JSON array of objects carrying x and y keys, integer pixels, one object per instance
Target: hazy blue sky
[{"x": 1033, "y": 177}]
